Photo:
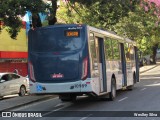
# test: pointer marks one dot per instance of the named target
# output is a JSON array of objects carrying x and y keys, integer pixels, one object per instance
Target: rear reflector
[
  {"x": 31, "y": 72},
  {"x": 84, "y": 68},
  {"x": 87, "y": 82}
]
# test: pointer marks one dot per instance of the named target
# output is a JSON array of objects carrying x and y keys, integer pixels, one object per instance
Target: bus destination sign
[{"x": 72, "y": 33}]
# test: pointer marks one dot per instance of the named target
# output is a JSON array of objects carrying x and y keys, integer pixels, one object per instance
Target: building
[{"x": 13, "y": 52}]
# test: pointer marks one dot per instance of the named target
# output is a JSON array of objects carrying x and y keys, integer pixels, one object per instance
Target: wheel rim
[
  {"x": 22, "y": 91},
  {"x": 113, "y": 91}
]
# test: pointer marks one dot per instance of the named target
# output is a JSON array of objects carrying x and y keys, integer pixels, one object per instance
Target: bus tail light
[
  {"x": 31, "y": 72},
  {"x": 84, "y": 68}
]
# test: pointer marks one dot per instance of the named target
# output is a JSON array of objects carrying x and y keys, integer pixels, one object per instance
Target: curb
[
  {"x": 27, "y": 103},
  {"x": 148, "y": 69}
]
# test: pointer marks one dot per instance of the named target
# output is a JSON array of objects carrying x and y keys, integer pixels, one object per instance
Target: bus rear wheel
[
  {"x": 112, "y": 94},
  {"x": 68, "y": 97}
]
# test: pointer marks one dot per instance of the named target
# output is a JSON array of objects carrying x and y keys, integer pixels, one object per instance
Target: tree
[
  {"x": 94, "y": 12},
  {"x": 53, "y": 10},
  {"x": 143, "y": 26},
  {"x": 135, "y": 19},
  {"x": 99, "y": 13},
  {"x": 11, "y": 12}
]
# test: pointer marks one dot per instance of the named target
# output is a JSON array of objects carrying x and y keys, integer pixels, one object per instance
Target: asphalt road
[{"x": 143, "y": 99}]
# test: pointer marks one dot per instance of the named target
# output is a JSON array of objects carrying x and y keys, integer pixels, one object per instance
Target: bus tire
[
  {"x": 67, "y": 97},
  {"x": 112, "y": 94},
  {"x": 73, "y": 98},
  {"x": 130, "y": 88},
  {"x": 64, "y": 97}
]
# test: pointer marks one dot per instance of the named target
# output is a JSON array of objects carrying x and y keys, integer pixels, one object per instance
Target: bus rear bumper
[{"x": 86, "y": 86}]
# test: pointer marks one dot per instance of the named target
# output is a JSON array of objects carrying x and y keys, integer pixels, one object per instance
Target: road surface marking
[
  {"x": 122, "y": 99},
  {"x": 143, "y": 89},
  {"x": 156, "y": 82},
  {"x": 60, "y": 104},
  {"x": 67, "y": 105},
  {"x": 86, "y": 117}
]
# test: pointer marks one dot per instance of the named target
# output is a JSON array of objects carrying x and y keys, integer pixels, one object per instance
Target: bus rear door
[{"x": 99, "y": 45}]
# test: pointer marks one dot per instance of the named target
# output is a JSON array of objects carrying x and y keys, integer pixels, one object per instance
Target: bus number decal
[{"x": 80, "y": 85}]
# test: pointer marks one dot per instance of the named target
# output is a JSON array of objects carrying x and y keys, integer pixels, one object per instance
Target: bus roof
[
  {"x": 112, "y": 35},
  {"x": 61, "y": 25},
  {"x": 99, "y": 31}
]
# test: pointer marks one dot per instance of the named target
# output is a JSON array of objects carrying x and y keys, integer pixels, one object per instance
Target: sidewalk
[
  {"x": 148, "y": 67},
  {"x": 11, "y": 103}
]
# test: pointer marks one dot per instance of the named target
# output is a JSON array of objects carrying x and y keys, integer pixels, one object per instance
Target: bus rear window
[{"x": 56, "y": 40}]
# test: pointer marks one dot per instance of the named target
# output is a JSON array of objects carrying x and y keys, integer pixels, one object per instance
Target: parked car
[
  {"x": 12, "y": 83},
  {"x": 147, "y": 59},
  {"x": 141, "y": 62},
  {"x": 158, "y": 54}
]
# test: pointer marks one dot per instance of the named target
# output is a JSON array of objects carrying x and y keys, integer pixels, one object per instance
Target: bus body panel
[
  {"x": 56, "y": 53},
  {"x": 114, "y": 68},
  {"x": 92, "y": 86},
  {"x": 69, "y": 69},
  {"x": 55, "y": 69},
  {"x": 50, "y": 88},
  {"x": 59, "y": 71},
  {"x": 87, "y": 86}
]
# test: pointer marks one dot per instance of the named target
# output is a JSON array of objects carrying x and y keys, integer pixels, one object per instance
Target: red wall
[
  {"x": 10, "y": 67},
  {"x": 13, "y": 54}
]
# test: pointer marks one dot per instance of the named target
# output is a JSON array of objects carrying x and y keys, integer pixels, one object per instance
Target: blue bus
[{"x": 72, "y": 60}]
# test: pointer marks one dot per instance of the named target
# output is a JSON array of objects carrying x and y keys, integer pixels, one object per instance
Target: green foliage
[
  {"x": 11, "y": 12},
  {"x": 135, "y": 19},
  {"x": 141, "y": 26},
  {"x": 99, "y": 13},
  {"x": 125, "y": 17}
]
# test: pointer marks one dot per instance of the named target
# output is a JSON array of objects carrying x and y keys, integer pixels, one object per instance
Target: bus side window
[
  {"x": 94, "y": 60},
  {"x": 116, "y": 50},
  {"x": 130, "y": 54},
  {"x": 108, "y": 49},
  {"x": 127, "y": 52}
]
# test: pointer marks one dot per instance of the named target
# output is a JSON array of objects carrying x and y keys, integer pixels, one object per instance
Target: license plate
[{"x": 59, "y": 75}]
